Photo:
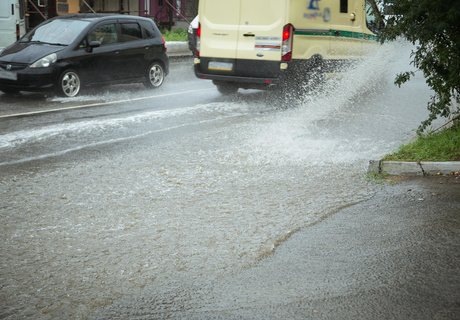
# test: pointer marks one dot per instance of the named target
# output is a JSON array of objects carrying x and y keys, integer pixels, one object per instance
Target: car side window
[
  {"x": 105, "y": 34},
  {"x": 147, "y": 29},
  {"x": 130, "y": 31}
]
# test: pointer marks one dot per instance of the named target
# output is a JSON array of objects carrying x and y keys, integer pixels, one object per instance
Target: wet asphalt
[
  {"x": 395, "y": 256},
  {"x": 209, "y": 207}
]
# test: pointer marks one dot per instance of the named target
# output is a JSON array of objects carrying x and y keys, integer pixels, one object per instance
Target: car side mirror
[{"x": 93, "y": 44}]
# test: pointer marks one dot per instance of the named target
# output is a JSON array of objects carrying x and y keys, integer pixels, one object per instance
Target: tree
[{"x": 433, "y": 26}]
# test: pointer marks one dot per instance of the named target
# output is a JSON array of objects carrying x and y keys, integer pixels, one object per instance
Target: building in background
[{"x": 166, "y": 13}]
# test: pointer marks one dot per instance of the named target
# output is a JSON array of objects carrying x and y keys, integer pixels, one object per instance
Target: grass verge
[
  {"x": 440, "y": 146},
  {"x": 175, "y": 35}
]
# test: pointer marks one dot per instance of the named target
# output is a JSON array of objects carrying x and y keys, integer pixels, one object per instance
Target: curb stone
[
  {"x": 178, "y": 49},
  {"x": 422, "y": 168}
]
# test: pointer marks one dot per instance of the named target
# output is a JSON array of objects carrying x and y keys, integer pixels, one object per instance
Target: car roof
[{"x": 98, "y": 17}]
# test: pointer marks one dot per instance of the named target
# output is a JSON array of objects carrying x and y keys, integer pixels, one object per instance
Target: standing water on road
[{"x": 100, "y": 211}]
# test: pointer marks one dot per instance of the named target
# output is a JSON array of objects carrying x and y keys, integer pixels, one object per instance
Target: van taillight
[
  {"x": 164, "y": 43},
  {"x": 198, "y": 40},
  {"x": 18, "y": 31},
  {"x": 288, "y": 41}
]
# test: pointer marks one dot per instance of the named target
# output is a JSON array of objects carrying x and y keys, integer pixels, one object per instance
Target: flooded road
[{"x": 103, "y": 202}]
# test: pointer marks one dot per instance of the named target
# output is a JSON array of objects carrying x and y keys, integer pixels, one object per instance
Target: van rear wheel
[{"x": 226, "y": 88}]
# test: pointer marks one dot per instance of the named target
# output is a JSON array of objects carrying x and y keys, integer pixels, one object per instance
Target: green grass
[
  {"x": 175, "y": 35},
  {"x": 441, "y": 146}
]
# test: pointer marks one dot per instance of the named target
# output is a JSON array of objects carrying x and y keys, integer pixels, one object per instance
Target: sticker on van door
[
  {"x": 268, "y": 44},
  {"x": 314, "y": 11}
]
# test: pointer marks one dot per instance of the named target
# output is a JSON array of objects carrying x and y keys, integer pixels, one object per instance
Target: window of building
[
  {"x": 22, "y": 9},
  {"x": 62, "y": 7}
]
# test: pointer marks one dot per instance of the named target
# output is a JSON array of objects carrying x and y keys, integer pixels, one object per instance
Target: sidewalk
[{"x": 395, "y": 256}]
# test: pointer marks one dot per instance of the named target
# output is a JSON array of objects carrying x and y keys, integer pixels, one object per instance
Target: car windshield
[{"x": 59, "y": 31}]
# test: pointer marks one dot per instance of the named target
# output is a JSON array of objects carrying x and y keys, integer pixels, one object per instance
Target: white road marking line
[
  {"x": 110, "y": 141},
  {"x": 98, "y": 104}
]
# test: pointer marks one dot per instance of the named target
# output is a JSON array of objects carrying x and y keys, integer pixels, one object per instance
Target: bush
[{"x": 433, "y": 26}]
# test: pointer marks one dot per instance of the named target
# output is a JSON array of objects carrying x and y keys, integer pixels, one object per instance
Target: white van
[
  {"x": 259, "y": 43},
  {"x": 12, "y": 22}
]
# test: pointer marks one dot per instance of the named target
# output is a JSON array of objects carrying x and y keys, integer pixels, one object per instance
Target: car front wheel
[
  {"x": 69, "y": 84},
  {"x": 155, "y": 75}
]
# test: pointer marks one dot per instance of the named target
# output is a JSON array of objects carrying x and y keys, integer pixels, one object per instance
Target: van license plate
[
  {"x": 8, "y": 75},
  {"x": 220, "y": 66}
]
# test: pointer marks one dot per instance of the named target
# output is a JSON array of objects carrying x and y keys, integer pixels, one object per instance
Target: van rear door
[
  {"x": 260, "y": 29},
  {"x": 219, "y": 21},
  {"x": 12, "y": 23},
  {"x": 242, "y": 38},
  {"x": 243, "y": 29}
]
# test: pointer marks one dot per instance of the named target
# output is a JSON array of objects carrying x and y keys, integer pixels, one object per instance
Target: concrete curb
[
  {"x": 422, "y": 168},
  {"x": 178, "y": 49}
]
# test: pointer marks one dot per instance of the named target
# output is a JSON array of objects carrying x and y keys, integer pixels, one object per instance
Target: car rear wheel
[
  {"x": 69, "y": 84},
  {"x": 155, "y": 75}
]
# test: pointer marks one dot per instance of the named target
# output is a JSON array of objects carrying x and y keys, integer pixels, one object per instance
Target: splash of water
[{"x": 295, "y": 136}]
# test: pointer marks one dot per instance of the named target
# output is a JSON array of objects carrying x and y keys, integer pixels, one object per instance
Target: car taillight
[
  {"x": 288, "y": 41},
  {"x": 198, "y": 40}
]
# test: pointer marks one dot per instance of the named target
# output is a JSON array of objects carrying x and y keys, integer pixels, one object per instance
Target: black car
[{"x": 68, "y": 52}]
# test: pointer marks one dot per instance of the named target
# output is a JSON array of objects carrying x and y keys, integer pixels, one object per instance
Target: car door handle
[
  {"x": 116, "y": 52},
  {"x": 249, "y": 34}
]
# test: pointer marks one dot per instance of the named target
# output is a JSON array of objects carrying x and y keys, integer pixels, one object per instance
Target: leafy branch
[{"x": 433, "y": 26}]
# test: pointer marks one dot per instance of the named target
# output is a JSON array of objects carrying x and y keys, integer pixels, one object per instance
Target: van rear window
[{"x": 344, "y": 6}]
